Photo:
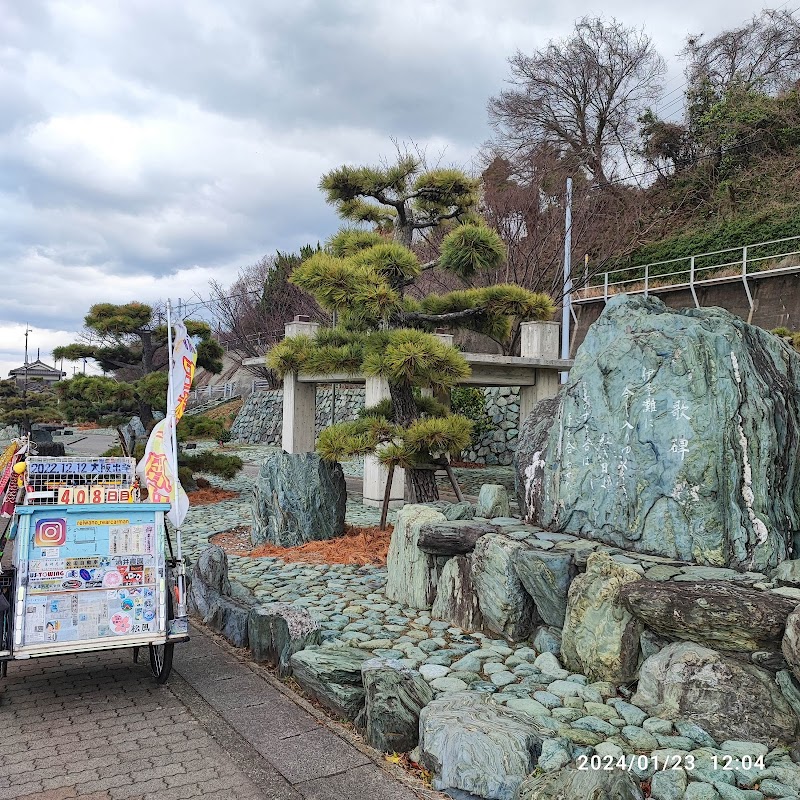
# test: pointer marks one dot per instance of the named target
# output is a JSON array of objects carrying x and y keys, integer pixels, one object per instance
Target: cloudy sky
[{"x": 148, "y": 146}]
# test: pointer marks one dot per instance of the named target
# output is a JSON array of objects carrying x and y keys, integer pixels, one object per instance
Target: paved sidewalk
[{"x": 98, "y": 727}]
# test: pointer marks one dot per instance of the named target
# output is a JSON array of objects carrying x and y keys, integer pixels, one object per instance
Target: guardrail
[{"x": 689, "y": 272}]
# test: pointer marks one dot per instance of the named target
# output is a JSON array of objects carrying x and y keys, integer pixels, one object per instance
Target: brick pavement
[{"x": 98, "y": 727}]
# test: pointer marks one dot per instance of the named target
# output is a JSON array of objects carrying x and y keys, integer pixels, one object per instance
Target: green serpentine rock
[
  {"x": 506, "y": 607},
  {"x": 718, "y": 614},
  {"x": 297, "y": 498},
  {"x": 676, "y": 435},
  {"x": 600, "y": 638},
  {"x": 279, "y": 630},
  {"x": 412, "y": 574},
  {"x": 729, "y": 698},
  {"x": 332, "y": 676},
  {"x": 471, "y": 743},
  {"x": 574, "y": 784},
  {"x": 395, "y": 695}
]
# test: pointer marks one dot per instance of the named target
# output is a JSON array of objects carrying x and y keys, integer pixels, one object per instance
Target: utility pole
[
  {"x": 565, "y": 302},
  {"x": 26, "y": 425}
]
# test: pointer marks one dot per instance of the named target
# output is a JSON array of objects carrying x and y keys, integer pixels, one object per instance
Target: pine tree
[
  {"x": 363, "y": 276},
  {"x": 131, "y": 341}
]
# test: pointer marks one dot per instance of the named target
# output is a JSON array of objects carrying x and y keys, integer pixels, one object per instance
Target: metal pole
[
  {"x": 26, "y": 424},
  {"x": 565, "y": 303},
  {"x": 174, "y": 444}
]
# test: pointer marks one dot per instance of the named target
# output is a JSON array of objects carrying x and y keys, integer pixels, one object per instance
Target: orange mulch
[
  {"x": 208, "y": 495},
  {"x": 358, "y": 546}
]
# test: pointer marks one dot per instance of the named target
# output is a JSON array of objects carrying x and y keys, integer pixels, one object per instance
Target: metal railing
[
  {"x": 206, "y": 394},
  {"x": 688, "y": 272}
]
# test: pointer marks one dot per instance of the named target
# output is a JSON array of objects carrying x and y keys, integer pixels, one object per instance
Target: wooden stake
[{"x": 387, "y": 493}]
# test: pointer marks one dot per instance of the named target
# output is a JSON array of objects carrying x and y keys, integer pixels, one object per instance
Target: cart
[{"x": 90, "y": 568}]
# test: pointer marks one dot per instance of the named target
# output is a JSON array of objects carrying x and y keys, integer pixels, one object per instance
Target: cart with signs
[{"x": 90, "y": 565}]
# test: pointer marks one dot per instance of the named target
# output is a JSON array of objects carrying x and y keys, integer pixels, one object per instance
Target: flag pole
[{"x": 179, "y": 568}]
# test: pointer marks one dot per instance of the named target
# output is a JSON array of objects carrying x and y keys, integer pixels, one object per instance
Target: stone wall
[
  {"x": 260, "y": 420},
  {"x": 498, "y": 444}
]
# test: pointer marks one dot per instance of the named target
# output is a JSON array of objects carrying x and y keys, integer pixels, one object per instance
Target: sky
[{"x": 148, "y": 147}]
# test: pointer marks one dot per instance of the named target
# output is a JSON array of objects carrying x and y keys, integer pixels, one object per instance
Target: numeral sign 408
[{"x": 89, "y": 495}]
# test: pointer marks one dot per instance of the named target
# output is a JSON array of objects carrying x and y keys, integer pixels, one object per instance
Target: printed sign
[{"x": 50, "y": 533}]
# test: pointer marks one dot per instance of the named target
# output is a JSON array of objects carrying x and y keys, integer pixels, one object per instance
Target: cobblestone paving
[{"x": 98, "y": 727}]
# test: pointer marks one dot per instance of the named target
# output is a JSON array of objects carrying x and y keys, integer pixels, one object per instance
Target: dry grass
[
  {"x": 224, "y": 412},
  {"x": 358, "y": 547}
]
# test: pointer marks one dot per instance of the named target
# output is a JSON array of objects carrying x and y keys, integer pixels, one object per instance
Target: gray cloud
[{"x": 147, "y": 147}]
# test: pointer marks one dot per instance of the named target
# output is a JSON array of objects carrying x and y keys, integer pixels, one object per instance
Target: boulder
[
  {"x": 297, "y": 498},
  {"x": 546, "y": 577},
  {"x": 475, "y": 745},
  {"x": 209, "y": 581},
  {"x": 547, "y": 640},
  {"x": 719, "y": 614},
  {"x": 411, "y": 574},
  {"x": 456, "y": 600},
  {"x": 600, "y": 638},
  {"x": 577, "y": 784},
  {"x": 788, "y": 573},
  {"x": 228, "y": 617},
  {"x": 790, "y": 646},
  {"x": 675, "y": 436},
  {"x": 492, "y": 501},
  {"x": 333, "y": 677},
  {"x": 528, "y": 463},
  {"x": 506, "y": 607},
  {"x": 279, "y": 630},
  {"x": 452, "y": 537},
  {"x": 212, "y": 570},
  {"x": 729, "y": 698},
  {"x": 789, "y": 689},
  {"x": 394, "y": 697},
  {"x": 462, "y": 510}
]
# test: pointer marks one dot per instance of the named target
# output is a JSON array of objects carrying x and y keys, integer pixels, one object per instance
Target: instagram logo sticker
[{"x": 50, "y": 533}]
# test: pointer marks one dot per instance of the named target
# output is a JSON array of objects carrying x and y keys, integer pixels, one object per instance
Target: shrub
[
  {"x": 470, "y": 402},
  {"x": 220, "y": 464},
  {"x": 200, "y": 427}
]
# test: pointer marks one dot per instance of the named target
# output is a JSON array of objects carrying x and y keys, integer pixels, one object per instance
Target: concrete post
[
  {"x": 538, "y": 340},
  {"x": 299, "y": 400},
  {"x": 375, "y": 474}
]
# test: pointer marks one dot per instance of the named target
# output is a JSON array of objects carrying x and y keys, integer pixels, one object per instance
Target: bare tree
[
  {"x": 581, "y": 95},
  {"x": 251, "y": 313},
  {"x": 763, "y": 54}
]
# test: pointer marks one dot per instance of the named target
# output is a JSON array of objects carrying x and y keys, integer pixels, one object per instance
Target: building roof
[{"x": 38, "y": 369}]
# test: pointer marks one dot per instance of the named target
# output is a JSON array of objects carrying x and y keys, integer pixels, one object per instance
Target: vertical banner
[
  {"x": 157, "y": 468},
  {"x": 158, "y": 475},
  {"x": 10, "y": 480},
  {"x": 184, "y": 359}
]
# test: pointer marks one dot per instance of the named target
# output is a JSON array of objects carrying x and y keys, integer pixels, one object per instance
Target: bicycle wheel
[
  {"x": 161, "y": 661},
  {"x": 161, "y": 654}
]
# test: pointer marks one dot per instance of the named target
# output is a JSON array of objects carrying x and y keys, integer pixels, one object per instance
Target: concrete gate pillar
[
  {"x": 538, "y": 340},
  {"x": 375, "y": 474},
  {"x": 299, "y": 400}
]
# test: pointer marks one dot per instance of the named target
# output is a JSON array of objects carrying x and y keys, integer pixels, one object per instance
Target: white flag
[
  {"x": 156, "y": 469},
  {"x": 184, "y": 359}
]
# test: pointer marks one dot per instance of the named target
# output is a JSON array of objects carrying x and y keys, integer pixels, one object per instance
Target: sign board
[{"x": 89, "y": 575}]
